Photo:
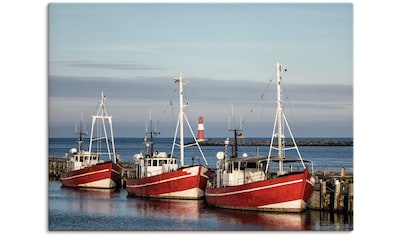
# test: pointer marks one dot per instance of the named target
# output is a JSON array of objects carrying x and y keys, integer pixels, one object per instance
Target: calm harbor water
[{"x": 112, "y": 210}]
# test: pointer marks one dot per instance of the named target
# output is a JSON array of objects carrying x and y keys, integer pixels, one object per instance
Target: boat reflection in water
[
  {"x": 264, "y": 220},
  {"x": 170, "y": 208},
  {"x": 92, "y": 201},
  {"x": 101, "y": 209},
  {"x": 187, "y": 213}
]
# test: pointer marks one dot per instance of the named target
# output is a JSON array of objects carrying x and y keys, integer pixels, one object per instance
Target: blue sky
[
  {"x": 28, "y": 103},
  {"x": 225, "y": 51}
]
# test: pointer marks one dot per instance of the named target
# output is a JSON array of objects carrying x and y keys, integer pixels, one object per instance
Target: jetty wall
[{"x": 267, "y": 143}]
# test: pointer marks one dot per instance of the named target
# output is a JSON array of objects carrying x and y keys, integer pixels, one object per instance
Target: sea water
[
  {"x": 327, "y": 158},
  {"x": 112, "y": 210}
]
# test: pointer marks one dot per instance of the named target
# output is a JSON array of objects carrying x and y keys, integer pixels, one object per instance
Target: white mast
[
  {"x": 103, "y": 116},
  {"x": 280, "y": 135},
  {"x": 180, "y": 125},
  {"x": 280, "y": 120},
  {"x": 181, "y": 120}
]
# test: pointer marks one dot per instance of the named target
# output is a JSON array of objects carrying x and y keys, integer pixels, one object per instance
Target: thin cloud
[
  {"x": 130, "y": 100},
  {"x": 109, "y": 66}
]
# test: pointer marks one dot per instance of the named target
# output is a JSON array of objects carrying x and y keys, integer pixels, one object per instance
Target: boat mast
[
  {"x": 280, "y": 135},
  {"x": 102, "y": 116},
  {"x": 234, "y": 151},
  {"x": 180, "y": 125},
  {"x": 152, "y": 133},
  {"x": 280, "y": 120},
  {"x": 82, "y": 132},
  {"x": 181, "y": 120}
]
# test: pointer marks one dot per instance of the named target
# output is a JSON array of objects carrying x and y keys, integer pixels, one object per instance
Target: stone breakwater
[{"x": 267, "y": 143}]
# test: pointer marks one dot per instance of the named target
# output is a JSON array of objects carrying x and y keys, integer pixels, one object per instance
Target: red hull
[
  {"x": 286, "y": 193},
  {"x": 184, "y": 183},
  {"x": 103, "y": 175}
]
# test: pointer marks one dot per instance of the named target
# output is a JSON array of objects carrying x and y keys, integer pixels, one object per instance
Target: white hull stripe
[
  {"x": 104, "y": 183},
  {"x": 203, "y": 175},
  {"x": 160, "y": 181},
  {"x": 190, "y": 193},
  {"x": 310, "y": 182},
  {"x": 88, "y": 173},
  {"x": 253, "y": 189},
  {"x": 295, "y": 204}
]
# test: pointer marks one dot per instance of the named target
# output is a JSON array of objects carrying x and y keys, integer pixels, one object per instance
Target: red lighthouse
[{"x": 201, "y": 136}]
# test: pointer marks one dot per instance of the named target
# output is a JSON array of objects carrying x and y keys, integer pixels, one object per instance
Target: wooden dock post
[
  {"x": 56, "y": 166},
  {"x": 350, "y": 196},
  {"x": 333, "y": 192},
  {"x": 127, "y": 172},
  {"x": 323, "y": 195},
  {"x": 337, "y": 192}
]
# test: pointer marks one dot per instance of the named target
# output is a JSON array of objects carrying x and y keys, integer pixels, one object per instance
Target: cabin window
[
  {"x": 235, "y": 165},
  {"x": 161, "y": 162},
  {"x": 154, "y": 163},
  {"x": 81, "y": 159},
  {"x": 229, "y": 168},
  {"x": 251, "y": 165},
  {"x": 243, "y": 165},
  {"x": 261, "y": 166},
  {"x": 149, "y": 163}
]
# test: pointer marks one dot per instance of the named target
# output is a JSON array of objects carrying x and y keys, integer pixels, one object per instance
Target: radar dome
[
  {"x": 73, "y": 150},
  {"x": 220, "y": 155},
  {"x": 138, "y": 156}
]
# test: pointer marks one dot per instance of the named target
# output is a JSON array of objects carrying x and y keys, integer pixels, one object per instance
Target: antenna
[
  {"x": 82, "y": 132},
  {"x": 152, "y": 133},
  {"x": 236, "y": 130}
]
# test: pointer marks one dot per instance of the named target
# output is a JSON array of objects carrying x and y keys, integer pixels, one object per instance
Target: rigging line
[
  {"x": 164, "y": 111},
  {"x": 168, "y": 107},
  {"x": 287, "y": 103},
  {"x": 261, "y": 116},
  {"x": 261, "y": 98},
  {"x": 171, "y": 106}
]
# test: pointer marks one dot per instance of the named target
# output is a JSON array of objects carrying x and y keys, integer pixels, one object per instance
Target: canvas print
[{"x": 200, "y": 117}]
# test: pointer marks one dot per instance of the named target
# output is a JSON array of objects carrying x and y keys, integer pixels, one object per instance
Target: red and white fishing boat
[
  {"x": 87, "y": 168},
  {"x": 253, "y": 183},
  {"x": 159, "y": 175}
]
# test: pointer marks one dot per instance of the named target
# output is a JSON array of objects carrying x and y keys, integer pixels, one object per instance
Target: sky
[
  {"x": 27, "y": 101},
  {"x": 226, "y": 52}
]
